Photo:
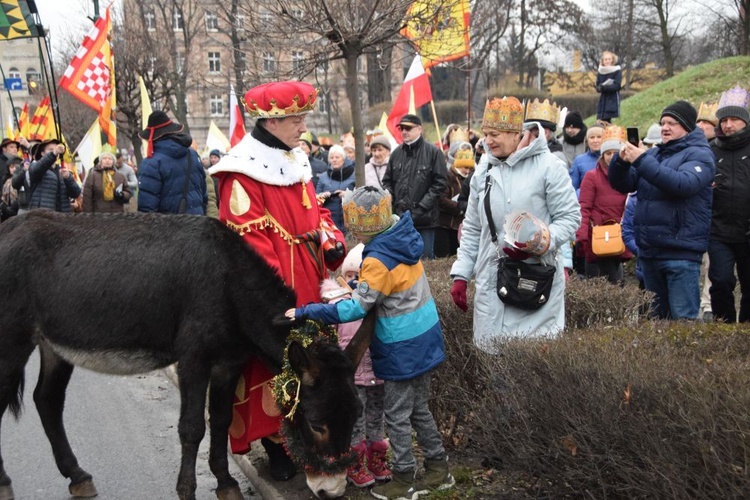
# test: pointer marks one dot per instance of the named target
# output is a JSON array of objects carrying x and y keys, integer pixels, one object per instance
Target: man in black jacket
[
  {"x": 730, "y": 219},
  {"x": 416, "y": 176}
]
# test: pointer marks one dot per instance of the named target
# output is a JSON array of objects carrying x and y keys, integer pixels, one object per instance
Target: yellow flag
[
  {"x": 439, "y": 29},
  {"x": 145, "y": 111}
]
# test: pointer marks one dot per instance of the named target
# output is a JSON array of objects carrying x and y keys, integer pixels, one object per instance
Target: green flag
[{"x": 17, "y": 20}]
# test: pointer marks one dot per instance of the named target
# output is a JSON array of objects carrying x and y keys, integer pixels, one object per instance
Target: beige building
[
  {"x": 208, "y": 62},
  {"x": 23, "y": 73}
]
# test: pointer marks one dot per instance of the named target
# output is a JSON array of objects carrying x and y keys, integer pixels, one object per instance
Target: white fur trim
[{"x": 265, "y": 164}]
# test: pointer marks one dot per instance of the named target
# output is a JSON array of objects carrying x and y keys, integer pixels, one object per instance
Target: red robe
[{"x": 268, "y": 198}]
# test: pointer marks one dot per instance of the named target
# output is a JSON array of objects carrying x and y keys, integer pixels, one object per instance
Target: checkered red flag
[{"x": 89, "y": 76}]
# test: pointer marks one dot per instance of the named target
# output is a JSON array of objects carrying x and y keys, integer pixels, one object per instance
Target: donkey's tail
[{"x": 15, "y": 394}]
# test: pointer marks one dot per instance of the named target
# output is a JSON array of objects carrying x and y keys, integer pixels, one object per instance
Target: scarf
[
  {"x": 267, "y": 138},
  {"x": 608, "y": 70},
  {"x": 577, "y": 139},
  {"x": 734, "y": 141},
  {"x": 108, "y": 184},
  {"x": 341, "y": 174}
]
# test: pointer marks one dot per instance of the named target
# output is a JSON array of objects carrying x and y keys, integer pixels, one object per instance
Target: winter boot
[
  {"x": 357, "y": 474},
  {"x": 436, "y": 477},
  {"x": 376, "y": 460},
  {"x": 401, "y": 487},
  {"x": 282, "y": 467}
]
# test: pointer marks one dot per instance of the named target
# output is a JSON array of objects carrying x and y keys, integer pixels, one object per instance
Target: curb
[{"x": 263, "y": 487}]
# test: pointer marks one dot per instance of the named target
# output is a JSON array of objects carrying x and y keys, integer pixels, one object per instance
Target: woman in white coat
[{"x": 525, "y": 177}]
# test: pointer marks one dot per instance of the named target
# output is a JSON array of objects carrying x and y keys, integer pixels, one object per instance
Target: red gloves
[
  {"x": 515, "y": 253},
  {"x": 458, "y": 293}
]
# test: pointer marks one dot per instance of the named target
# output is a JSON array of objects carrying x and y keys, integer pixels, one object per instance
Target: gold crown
[
  {"x": 707, "y": 113},
  {"x": 615, "y": 134},
  {"x": 293, "y": 110},
  {"x": 504, "y": 114},
  {"x": 458, "y": 135},
  {"x": 464, "y": 158},
  {"x": 545, "y": 110},
  {"x": 367, "y": 211}
]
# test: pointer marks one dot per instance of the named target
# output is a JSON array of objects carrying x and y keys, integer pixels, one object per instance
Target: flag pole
[
  {"x": 434, "y": 116},
  {"x": 10, "y": 96}
]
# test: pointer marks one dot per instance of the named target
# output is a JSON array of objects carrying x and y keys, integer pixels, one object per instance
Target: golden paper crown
[
  {"x": 504, "y": 114},
  {"x": 464, "y": 157},
  {"x": 545, "y": 111},
  {"x": 458, "y": 135},
  {"x": 367, "y": 210},
  {"x": 707, "y": 113},
  {"x": 613, "y": 137}
]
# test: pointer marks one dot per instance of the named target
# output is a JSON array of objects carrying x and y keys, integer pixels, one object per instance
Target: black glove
[
  {"x": 334, "y": 254},
  {"x": 119, "y": 196}
]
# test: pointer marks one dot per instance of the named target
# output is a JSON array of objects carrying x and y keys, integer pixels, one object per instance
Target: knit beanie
[
  {"x": 734, "y": 103},
  {"x": 653, "y": 136},
  {"x": 684, "y": 113},
  {"x": 573, "y": 119},
  {"x": 353, "y": 260}
]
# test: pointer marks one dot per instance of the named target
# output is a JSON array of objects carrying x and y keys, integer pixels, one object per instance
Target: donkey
[{"x": 195, "y": 294}]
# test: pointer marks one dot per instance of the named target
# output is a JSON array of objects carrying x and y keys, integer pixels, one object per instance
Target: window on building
[
  {"x": 216, "y": 105},
  {"x": 13, "y": 73},
  {"x": 241, "y": 59},
  {"x": 297, "y": 13},
  {"x": 269, "y": 62},
  {"x": 214, "y": 62},
  {"x": 152, "y": 64},
  {"x": 266, "y": 18},
  {"x": 239, "y": 21},
  {"x": 298, "y": 60},
  {"x": 149, "y": 20},
  {"x": 360, "y": 64},
  {"x": 177, "y": 21},
  {"x": 212, "y": 22},
  {"x": 180, "y": 64},
  {"x": 322, "y": 104}
]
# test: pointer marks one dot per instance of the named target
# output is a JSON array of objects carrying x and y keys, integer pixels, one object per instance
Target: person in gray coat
[{"x": 524, "y": 176}]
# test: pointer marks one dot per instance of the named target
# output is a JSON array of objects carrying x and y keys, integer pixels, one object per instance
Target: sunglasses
[{"x": 405, "y": 127}]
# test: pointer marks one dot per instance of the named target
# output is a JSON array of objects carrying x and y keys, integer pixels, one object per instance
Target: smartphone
[{"x": 633, "y": 137}]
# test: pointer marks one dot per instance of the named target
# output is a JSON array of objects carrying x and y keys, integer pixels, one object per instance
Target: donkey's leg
[
  {"x": 14, "y": 353},
  {"x": 193, "y": 379},
  {"x": 223, "y": 384},
  {"x": 49, "y": 397}
]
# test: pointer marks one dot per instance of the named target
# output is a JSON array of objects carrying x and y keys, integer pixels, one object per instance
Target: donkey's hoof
[
  {"x": 6, "y": 492},
  {"x": 232, "y": 493},
  {"x": 84, "y": 489}
]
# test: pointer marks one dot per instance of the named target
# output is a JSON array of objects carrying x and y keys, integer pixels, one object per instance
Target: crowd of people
[{"x": 521, "y": 208}]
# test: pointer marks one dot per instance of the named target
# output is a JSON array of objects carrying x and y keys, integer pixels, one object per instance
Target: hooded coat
[
  {"x": 673, "y": 214},
  {"x": 161, "y": 178},
  {"x": 408, "y": 339},
  {"x": 535, "y": 180},
  {"x": 93, "y": 191},
  {"x": 336, "y": 180}
]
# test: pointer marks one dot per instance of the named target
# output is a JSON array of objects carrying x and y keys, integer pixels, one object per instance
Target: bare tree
[
  {"x": 661, "y": 14},
  {"x": 343, "y": 30},
  {"x": 733, "y": 21}
]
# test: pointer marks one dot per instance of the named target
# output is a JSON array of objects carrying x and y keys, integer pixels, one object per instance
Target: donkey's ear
[
  {"x": 302, "y": 363},
  {"x": 361, "y": 340}
]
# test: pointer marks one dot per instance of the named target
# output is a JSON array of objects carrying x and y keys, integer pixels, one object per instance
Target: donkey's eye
[{"x": 318, "y": 428}]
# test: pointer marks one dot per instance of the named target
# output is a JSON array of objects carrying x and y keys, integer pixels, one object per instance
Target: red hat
[{"x": 280, "y": 99}]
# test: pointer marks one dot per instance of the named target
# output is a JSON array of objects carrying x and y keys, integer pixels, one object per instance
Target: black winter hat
[
  {"x": 684, "y": 113},
  {"x": 573, "y": 119}
]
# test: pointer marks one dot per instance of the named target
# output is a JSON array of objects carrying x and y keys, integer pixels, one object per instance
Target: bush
[
  {"x": 451, "y": 112},
  {"x": 620, "y": 407}
]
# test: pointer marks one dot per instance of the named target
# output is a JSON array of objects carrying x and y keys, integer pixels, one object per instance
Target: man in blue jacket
[
  {"x": 171, "y": 178},
  {"x": 673, "y": 214}
]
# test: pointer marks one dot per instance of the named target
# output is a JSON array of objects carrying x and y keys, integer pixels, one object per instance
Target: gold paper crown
[
  {"x": 367, "y": 210},
  {"x": 464, "y": 158},
  {"x": 707, "y": 113},
  {"x": 458, "y": 135},
  {"x": 504, "y": 114},
  {"x": 294, "y": 110},
  {"x": 613, "y": 137},
  {"x": 545, "y": 111}
]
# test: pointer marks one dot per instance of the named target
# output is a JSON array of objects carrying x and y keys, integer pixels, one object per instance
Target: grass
[{"x": 702, "y": 83}]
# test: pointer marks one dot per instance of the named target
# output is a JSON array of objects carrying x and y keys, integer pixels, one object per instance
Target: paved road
[{"x": 123, "y": 431}]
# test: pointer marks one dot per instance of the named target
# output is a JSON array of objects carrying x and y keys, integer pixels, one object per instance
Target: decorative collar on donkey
[{"x": 286, "y": 389}]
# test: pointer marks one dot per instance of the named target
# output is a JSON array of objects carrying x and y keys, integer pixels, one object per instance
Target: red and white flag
[
  {"x": 416, "y": 84},
  {"x": 236, "y": 120}
]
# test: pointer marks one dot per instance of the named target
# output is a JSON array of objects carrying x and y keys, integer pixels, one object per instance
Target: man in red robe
[{"x": 269, "y": 199}]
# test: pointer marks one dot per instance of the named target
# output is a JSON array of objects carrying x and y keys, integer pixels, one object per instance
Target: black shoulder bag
[{"x": 519, "y": 284}]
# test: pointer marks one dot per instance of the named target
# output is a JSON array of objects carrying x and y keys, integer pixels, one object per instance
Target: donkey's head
[{"x": 319, "y": 431}]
